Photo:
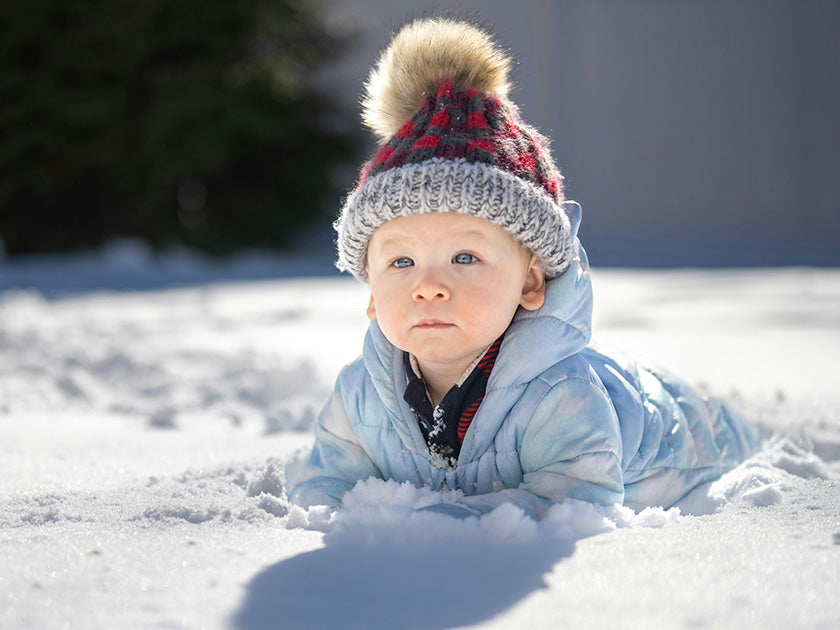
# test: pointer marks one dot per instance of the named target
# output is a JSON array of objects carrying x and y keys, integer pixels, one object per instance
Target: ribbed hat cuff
[{"x": 521, "y": 208}]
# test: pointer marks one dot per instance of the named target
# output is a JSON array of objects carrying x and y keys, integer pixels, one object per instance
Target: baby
[{"x": 475, "y": 373}]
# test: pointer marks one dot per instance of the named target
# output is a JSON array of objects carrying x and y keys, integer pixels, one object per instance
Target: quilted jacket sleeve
[{"x": 337, "y": 461}]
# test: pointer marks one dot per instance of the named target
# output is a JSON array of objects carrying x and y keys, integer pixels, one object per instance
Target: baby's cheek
[
  {"x": 390, "y": 329},
  {"x": 491, "y": 315}
]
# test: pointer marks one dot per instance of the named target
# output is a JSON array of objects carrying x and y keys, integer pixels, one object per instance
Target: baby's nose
[{"x": 431, "y": 287}]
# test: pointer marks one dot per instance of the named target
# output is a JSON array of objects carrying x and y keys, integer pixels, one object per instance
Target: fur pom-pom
[{"x": 420, "y": 56}]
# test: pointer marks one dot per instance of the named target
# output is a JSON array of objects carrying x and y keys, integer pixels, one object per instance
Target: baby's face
[{"x": 445, "y": 285}]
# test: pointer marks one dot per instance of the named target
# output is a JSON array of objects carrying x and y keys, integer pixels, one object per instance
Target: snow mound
[
  {"x": 782, "y": 467},
  {"x": 377, "y": 512},
  {"x": 246, "y": 492}
]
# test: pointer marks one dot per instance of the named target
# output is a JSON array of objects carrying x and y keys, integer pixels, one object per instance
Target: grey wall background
[{"x": 693, "y": 132}]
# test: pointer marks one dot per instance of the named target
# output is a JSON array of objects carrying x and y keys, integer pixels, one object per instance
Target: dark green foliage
[{"x": 171, "y": 120}]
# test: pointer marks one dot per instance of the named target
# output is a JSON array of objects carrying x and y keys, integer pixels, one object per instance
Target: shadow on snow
[{"x": 417, "y": 586}]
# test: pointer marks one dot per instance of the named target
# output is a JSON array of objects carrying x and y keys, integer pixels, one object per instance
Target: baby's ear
[
  {"x": 533, "y": 289},
  {"x": 371, "y": 309}
]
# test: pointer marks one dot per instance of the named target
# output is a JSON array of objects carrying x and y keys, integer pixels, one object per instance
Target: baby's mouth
[{"x": 432, "y": 324}]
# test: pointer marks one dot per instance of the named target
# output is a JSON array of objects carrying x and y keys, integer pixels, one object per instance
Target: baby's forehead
[{"x": 442, "y": 224}]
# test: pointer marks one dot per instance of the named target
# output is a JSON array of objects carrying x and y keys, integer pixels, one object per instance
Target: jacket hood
[{"x": 560, "y": 328}]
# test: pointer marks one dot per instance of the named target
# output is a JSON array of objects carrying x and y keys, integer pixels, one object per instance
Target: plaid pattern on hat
[
  {"x": 462, "y": 151},
  {"x": 464, "y": 124}
]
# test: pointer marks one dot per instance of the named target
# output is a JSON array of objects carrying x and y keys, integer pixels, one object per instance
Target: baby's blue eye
[
  {"x": 401, "y": 263},
  {"x": 464, "y": 258}
]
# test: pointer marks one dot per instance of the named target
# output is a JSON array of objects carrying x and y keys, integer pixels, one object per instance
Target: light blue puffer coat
[{"x": 558, "y": 420}]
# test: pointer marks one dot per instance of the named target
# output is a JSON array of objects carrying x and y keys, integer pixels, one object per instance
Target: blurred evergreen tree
[{"x": 188, "y": 121}]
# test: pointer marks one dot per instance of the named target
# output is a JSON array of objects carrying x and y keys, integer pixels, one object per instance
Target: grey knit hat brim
[{"x": 521, "y": 208}]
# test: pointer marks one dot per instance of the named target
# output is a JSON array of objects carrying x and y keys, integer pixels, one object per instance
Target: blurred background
[{"x": 693, "y": 132}]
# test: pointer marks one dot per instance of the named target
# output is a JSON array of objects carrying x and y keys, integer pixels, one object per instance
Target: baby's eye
[
  {"x": 464, "y": 258},
  {"x": 403, "y": 262}
]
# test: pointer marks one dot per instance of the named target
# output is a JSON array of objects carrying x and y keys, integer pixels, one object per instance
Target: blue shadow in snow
[{"x": 417, "y": 586}]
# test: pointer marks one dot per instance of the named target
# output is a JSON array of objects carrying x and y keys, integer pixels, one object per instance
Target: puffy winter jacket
[{"x": 559, "y": 419}]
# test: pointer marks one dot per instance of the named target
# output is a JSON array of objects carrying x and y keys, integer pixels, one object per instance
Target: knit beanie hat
[{"x": 452, "y": 141}]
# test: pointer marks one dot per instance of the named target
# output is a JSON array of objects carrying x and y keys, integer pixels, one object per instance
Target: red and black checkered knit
[
  {"x": 466, "y": 124},
  {"x": 445, "y": 426}
]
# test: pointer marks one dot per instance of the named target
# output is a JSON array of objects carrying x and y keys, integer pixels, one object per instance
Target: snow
[{"x": 148, "y": 406}]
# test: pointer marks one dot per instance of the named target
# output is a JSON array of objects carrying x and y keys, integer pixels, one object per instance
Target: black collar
[{"x": 444, "y": 426}]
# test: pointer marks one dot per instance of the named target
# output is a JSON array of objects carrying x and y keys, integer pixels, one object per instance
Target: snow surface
[{"x": 147, "y": 408}]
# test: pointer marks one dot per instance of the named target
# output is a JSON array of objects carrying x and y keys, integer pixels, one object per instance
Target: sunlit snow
[{"x": 148, "y": 408}]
